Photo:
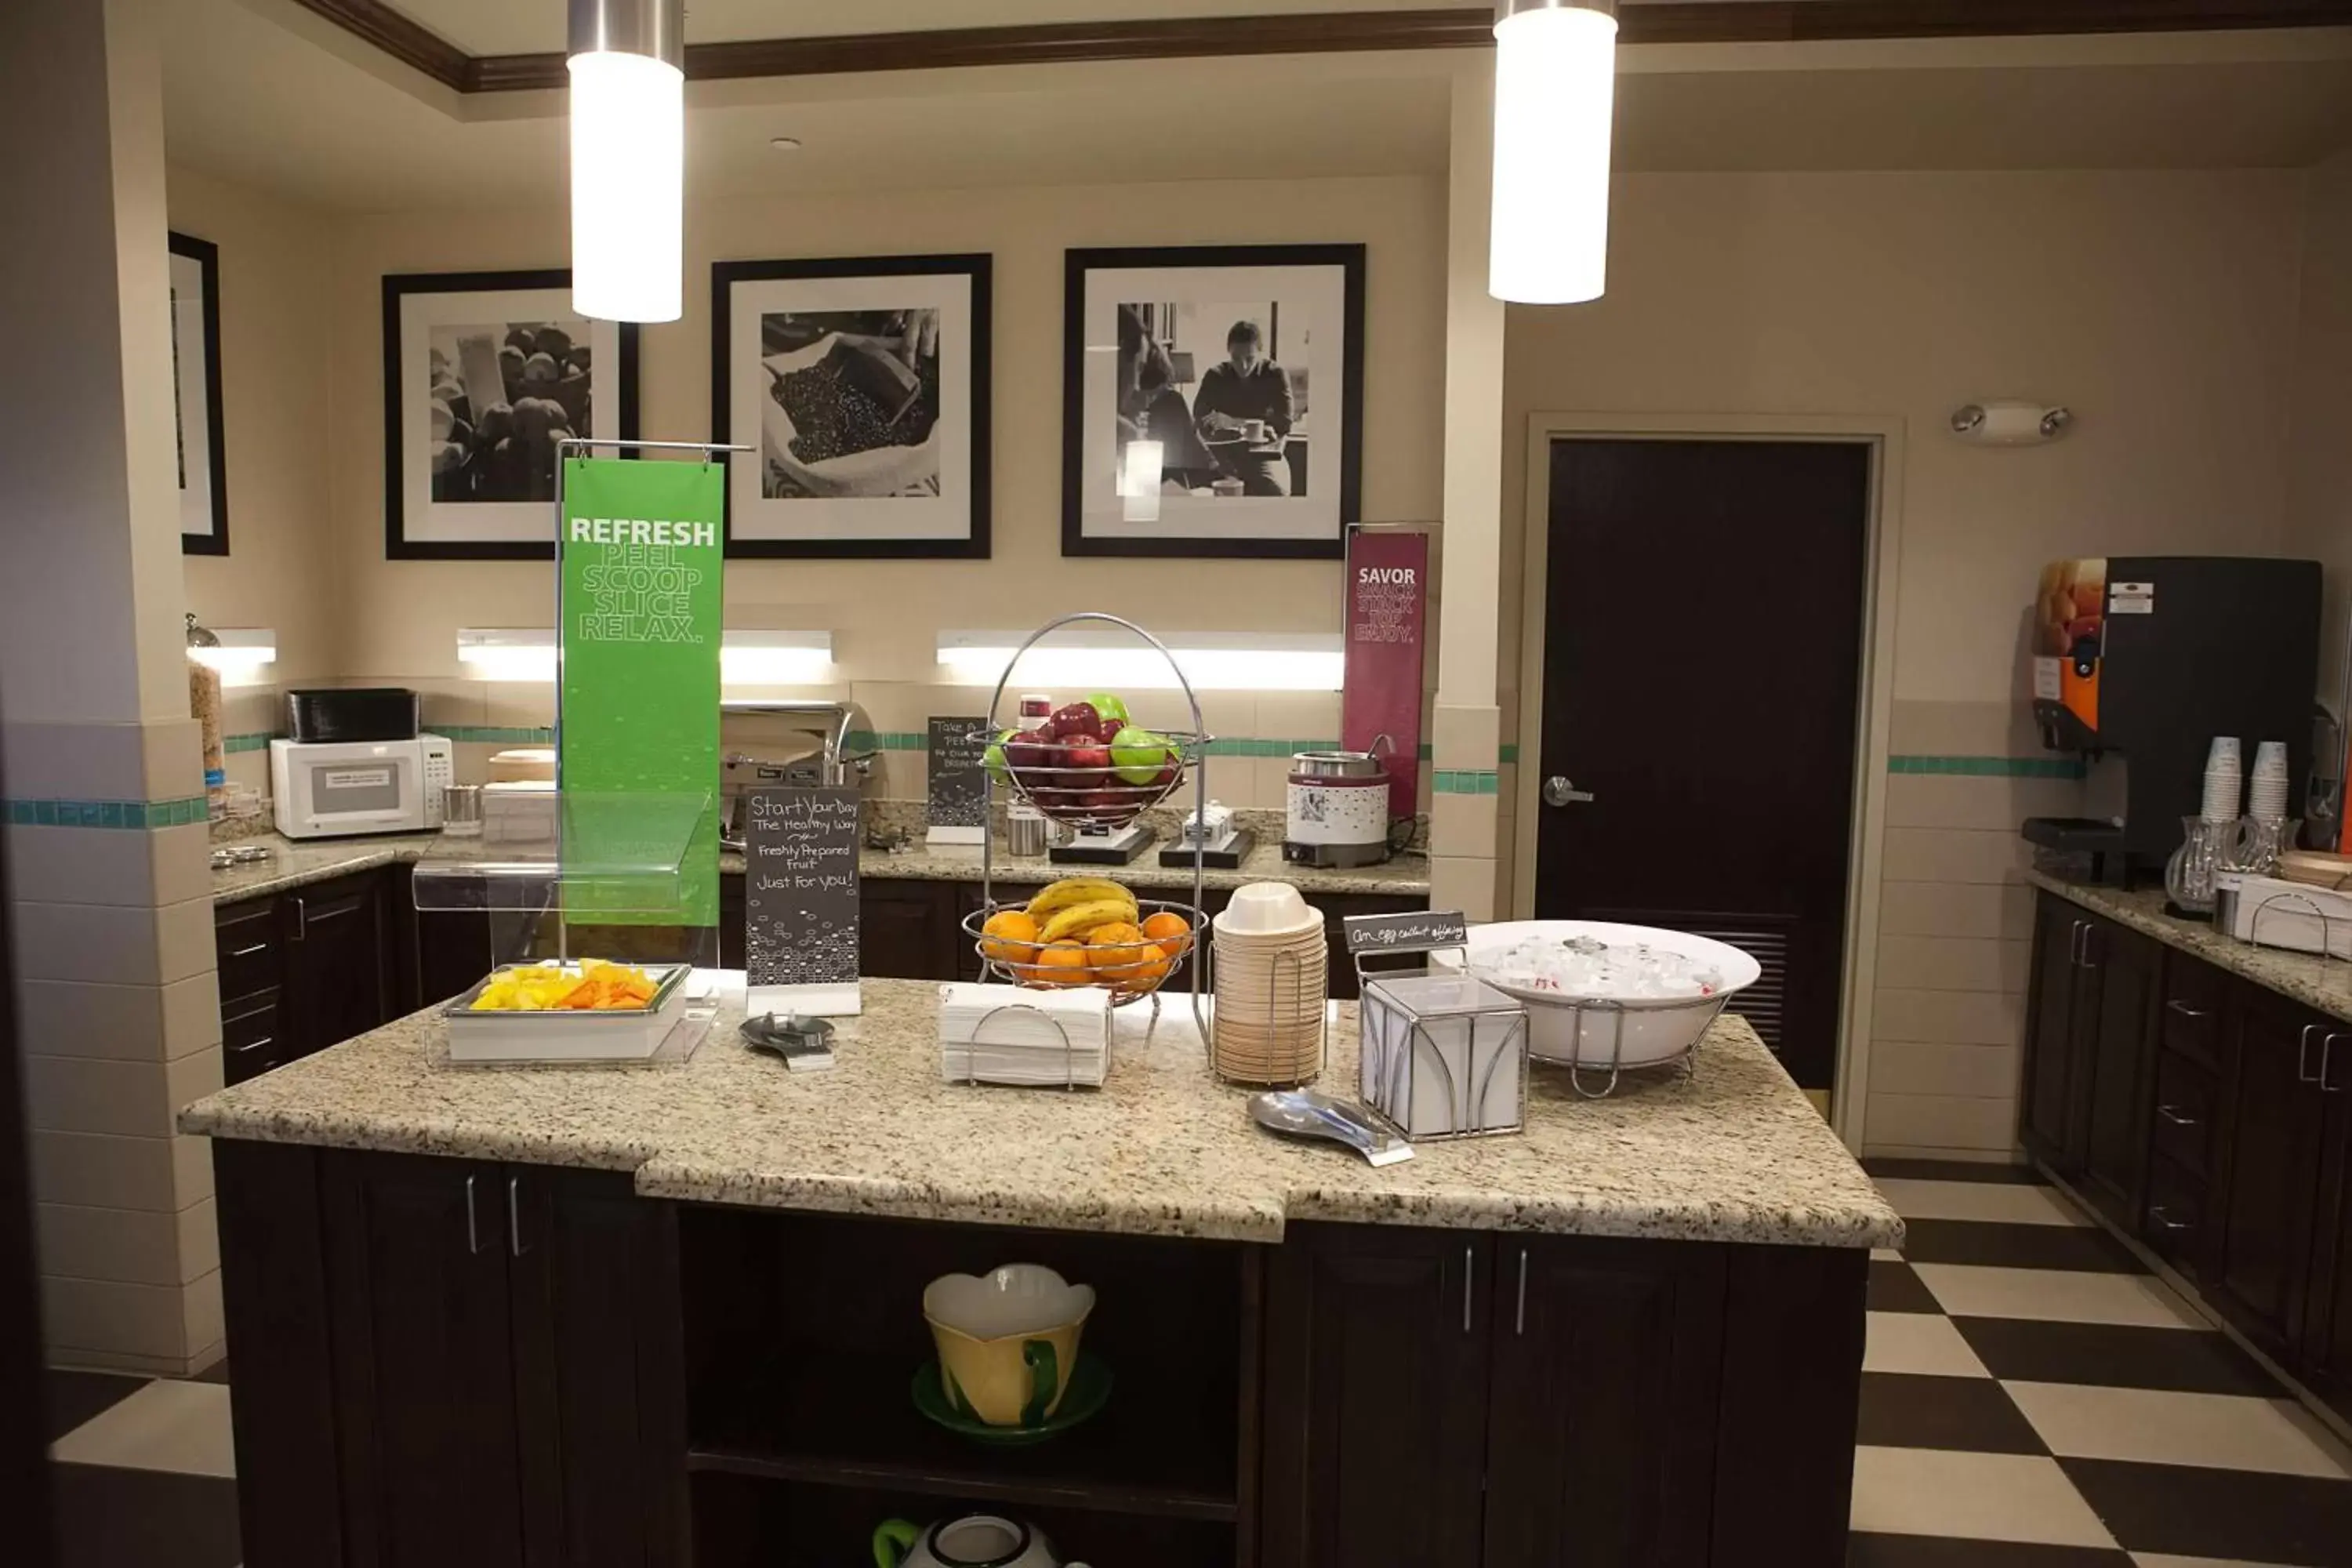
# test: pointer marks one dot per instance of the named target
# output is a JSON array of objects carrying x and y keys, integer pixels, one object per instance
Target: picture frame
[
  {"x": 194, "y": 272},
  {"x": 1250, "y": 358},
  {"x": 863, "y": 384},
  {"x": 463, "y": 487}
]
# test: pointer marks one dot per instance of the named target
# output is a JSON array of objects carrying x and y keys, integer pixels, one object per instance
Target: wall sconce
[{"x": 2011, "y": 422}]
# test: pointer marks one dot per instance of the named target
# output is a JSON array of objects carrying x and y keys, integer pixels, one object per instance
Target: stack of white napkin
[{"x": 1007, "y": 1034}]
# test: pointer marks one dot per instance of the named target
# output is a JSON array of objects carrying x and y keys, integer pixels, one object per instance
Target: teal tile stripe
[
  {"x": 138, "y": 814},
  {"x": 258, "y": 741},
  {"x": 1989, "y": 767},
  {"x": 1450, "y": 781}
]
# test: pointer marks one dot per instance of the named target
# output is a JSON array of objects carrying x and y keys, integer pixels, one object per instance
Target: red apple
[
  {"x": 1030, "y": 751},
  {"x": 1078, "y": 718}
]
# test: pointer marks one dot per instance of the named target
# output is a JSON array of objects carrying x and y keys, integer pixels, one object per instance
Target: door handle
[
  {"x": 1467, "y": 1274},
  {"x": 2326, "y": 1061},
  {"x": 473, "y": 1226},
  {"x": 1559, "y": 791},
  {"x": 514, "y": 1218},
  {"x": 2176, "y": 1005},
  {"x": 2303, "y": 1072},
  {"x": 1520, "y": 1318},
  {"x": 2172, "y": 1114}
]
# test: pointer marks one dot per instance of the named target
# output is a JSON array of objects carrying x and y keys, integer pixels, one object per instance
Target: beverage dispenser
[{"x": 2139, "y": 662}]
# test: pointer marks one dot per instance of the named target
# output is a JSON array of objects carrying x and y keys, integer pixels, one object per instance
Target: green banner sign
[{"x": 642, "y": 618}]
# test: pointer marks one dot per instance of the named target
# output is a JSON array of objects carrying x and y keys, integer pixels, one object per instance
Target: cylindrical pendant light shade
[
  {"x": 628, "y": 159},
  {"x": 1555, "y": 88}
]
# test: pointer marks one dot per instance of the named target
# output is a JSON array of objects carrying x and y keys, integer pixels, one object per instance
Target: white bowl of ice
[{"x": 1665, "y": 986}]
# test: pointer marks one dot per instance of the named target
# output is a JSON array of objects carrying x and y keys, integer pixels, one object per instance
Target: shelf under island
[{"x": 670, "y": 1315}]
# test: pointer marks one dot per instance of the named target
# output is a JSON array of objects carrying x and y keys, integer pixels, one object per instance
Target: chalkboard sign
[
  {"x": 800, "y": 887},
  {"x": 959, "y": 784},
  {"x": 1418, "y": 932}
]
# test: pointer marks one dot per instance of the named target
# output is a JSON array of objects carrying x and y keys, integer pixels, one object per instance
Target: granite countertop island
[
  {"x": 294, "y": 865},
  {"x": 2324, "y": 984},
  {"x": 1733, "y": 1154}
]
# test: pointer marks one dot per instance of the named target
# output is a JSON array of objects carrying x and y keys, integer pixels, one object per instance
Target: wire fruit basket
[
  {"x": 1106, "y": 792},
  {"x": 1131, "y": 959}
]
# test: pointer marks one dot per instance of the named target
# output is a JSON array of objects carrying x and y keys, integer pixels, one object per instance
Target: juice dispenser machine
[{"x": 2139, "y": 662}]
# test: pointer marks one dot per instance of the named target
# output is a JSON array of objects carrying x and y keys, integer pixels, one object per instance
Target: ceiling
[{"x": 374, "y": 137}]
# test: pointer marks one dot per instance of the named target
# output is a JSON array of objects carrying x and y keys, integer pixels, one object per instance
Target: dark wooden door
[
  {"x": 1603, "y": 1395},
  {"x": 2272, "y": 1125},
  {"x": 337, "y": 973},
  {"x": 907, "y": 930},
  {"x": 599, "y": 1370},
  {"x": 1703, "y": 650},
  {"x": 1376, "y": 1418},
  {"x": 2124, "y": 968},
  {"x": 2327, "y": 1362},
  {"x": 425, "y": 1374}
]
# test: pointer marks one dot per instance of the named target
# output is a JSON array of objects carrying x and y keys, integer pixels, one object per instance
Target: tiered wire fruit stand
[{"x": 1081, "y": 793}]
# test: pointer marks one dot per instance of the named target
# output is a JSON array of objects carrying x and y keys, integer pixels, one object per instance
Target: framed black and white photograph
[
  {"x": 483, "y": 373},
  {"x": 1212, "y": 400},
  {"x": 862, "y": 385},
  {"x": 196, "y": 396}
]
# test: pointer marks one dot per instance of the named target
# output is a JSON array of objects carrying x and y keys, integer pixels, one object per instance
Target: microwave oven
[{"x": 327, "y": 789}]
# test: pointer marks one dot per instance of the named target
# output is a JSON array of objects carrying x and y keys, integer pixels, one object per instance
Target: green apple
[
  {"x": 1139, "y": 755},
  {"x": 993, "y": 758},
  {"x": 1112, "y": 712}
]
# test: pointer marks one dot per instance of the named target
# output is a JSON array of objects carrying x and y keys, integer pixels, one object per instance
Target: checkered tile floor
[{"x": 2032, "y": 1398}]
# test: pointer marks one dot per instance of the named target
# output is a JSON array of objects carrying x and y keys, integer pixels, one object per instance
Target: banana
[
  {"x": 1071, "y": 891},
  {"x": 1075, "y": 922}
]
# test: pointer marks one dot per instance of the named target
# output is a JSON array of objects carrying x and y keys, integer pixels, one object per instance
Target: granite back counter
[{"x": 669, "y": 1315}]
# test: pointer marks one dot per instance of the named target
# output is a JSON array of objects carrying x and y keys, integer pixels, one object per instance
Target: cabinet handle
[
  {"x": 2164, "y": 1221},
  {"x": 1520, "y": 1318},
  {"x": 2089, "y": 930},
  {"x": 2327, "y": 1062},
  {"x": 2177, "y": 1005},
  {"x": 514, "y": 1218},
  {"x": 2172, "y": 1114},
  {"x": 249, "y": 952},
  {"x": 2074, "y": 946},
  {"x": 2303, "y": 1056},
  {"x": 473, "y": 1228},
  {"x": 257, "y": 1045},
  {"x": 301, "y": 919},
  {"x": 1466, "y": 1277}
]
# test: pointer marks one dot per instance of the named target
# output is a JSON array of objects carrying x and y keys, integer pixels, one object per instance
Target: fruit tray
[
  {"x": 1078, "y": 776},
  {"x": 1086, "y": 932}
]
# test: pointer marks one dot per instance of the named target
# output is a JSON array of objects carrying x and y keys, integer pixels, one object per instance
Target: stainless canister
[
  {"x": 1024, "y": 834},
  {"x": 461, "y": 811}
]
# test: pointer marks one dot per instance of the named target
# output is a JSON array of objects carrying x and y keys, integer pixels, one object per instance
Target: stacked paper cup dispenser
[
  {"x": 2266, "y": 798},
  {"x": 2224, "y": 778},
  {"x": 1269, "y": 959}
]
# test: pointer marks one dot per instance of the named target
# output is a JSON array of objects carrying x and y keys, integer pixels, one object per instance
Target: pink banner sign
[{"x": 1388, "y": 609}]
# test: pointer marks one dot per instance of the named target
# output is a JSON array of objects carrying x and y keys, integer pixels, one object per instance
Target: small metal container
[
  {"x": 1023, "y": 834},
  {"x": 1337, "y": 765},
  {"x": 461, "y": 811}
]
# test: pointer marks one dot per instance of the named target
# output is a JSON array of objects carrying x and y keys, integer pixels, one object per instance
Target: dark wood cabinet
[
  {"x": 1606, "y": 1377},
  {"x": 336, "y": 938},
  {"x": 449, "y": 1362},
  {"x": 2117, "y": 1053},
  {"x": 423, "y": 1362},
  {"x": 1445, "y": 1398},
  {"x": 2208, "y": 1117},
  {"x": 1378, "y": 1342},
  {"x": 2273, "y": 1118}
]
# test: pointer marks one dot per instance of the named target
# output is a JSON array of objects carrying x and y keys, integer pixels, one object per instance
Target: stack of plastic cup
[
  {"x": 2266, "y": 795},
  {"x": 2223, "y": 780}
]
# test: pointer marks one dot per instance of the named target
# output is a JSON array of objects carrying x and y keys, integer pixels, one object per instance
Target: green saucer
[{"x": 1089, "y": 1392}]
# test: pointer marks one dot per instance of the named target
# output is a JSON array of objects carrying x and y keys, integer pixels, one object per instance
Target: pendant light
[
  {"x": 1555, "y": 86},
  {"x": 629, "y": 158}
]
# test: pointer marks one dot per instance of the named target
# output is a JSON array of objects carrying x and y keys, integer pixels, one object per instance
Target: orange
[
  {"x": 1010, "y": 937},
  {"x": 1151, "y": 965},
  {"x": 1113, "y": 950},
  {"x": 1061, "y": 964},
  {"x": 1171, "y": 931}
]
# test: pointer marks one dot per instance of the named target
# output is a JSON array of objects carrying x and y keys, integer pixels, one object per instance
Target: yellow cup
[{"x": 1017, "y": 1379}]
